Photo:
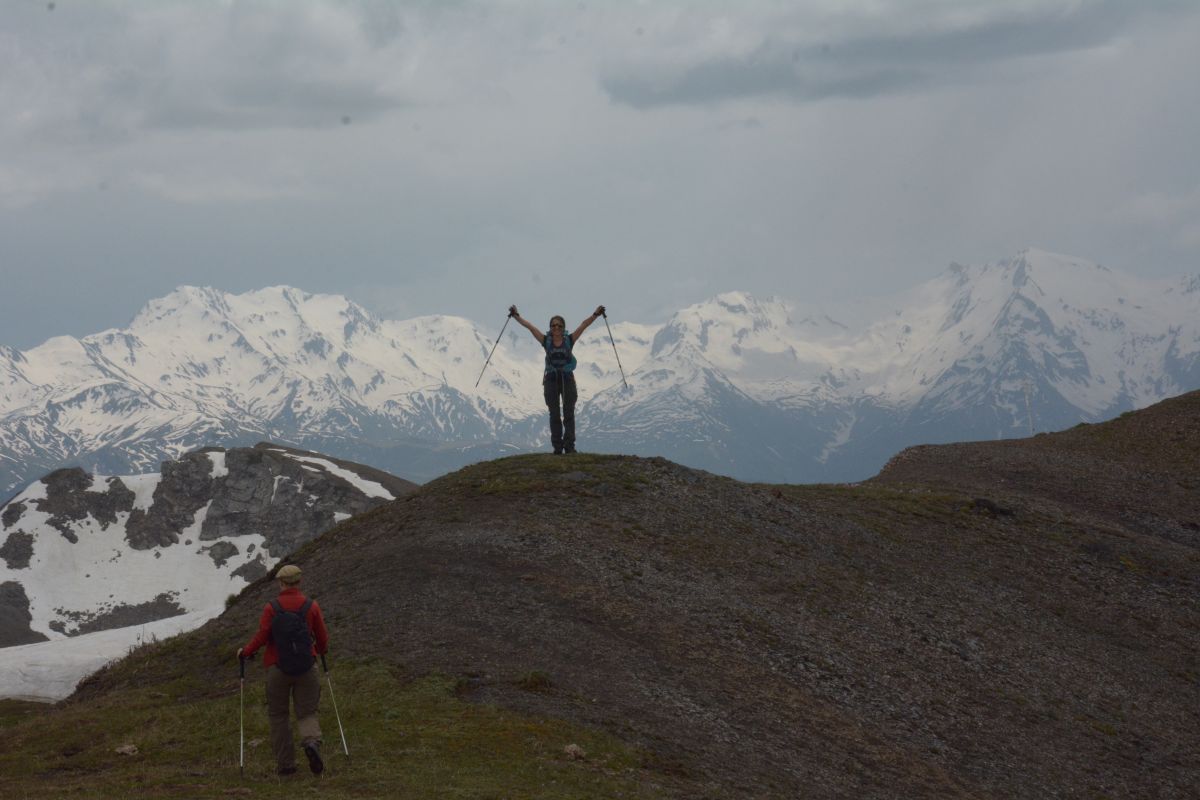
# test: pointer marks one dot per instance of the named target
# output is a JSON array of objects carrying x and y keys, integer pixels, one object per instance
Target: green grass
[
  {"x": 415, "y": 739},
  {"x": 15, "y": 711}
]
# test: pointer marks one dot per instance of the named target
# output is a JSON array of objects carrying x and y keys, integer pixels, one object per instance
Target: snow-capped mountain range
[{"x": 758, "y": 389}]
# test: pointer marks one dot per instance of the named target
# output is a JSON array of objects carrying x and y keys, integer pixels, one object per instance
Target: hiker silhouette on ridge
[{"x": 558, "y": 380}]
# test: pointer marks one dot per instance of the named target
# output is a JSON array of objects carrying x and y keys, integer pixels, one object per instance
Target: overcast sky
[{"x": 455, "y": 157}]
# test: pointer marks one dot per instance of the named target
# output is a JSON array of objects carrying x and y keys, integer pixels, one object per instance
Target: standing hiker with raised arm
[
  {"x": 293, "y": 630},
  {"x": 558, "y": 381}
]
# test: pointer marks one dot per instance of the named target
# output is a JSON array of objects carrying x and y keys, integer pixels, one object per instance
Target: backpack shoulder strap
[
  {"x": 275, "y": 605},
  {"x": 303, "y": 611}
]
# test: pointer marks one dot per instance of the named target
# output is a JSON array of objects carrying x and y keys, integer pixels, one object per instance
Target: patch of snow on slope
[
  {"x": 100, "y": 571},
  {"x": 217, "y": 457},
  {"x": 142, "y": 486},
  {"x": 840, "y": 437},
  {"x": 49, "y": 671},
  {"x": 369, "y": 488}
]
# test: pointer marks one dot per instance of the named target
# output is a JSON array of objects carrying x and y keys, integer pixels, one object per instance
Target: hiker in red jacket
[{"x": 294, "y": 637}]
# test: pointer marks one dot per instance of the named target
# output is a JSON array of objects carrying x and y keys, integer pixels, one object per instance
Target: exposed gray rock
[
  {"x": 252, "y": 570},
  {"x": 266, "y": 491},
  {"x": 12, "y": 513},
  {"x": 70, "y": 499},
  {"x": 120, "y": 616},
  {"x": 288, "y": 502},
  {"x": 15, "y": 618},
  {"x": 221, "y": 552},
  {"x": 17, "y": 550},
  {"x": 186, "y": 486}
]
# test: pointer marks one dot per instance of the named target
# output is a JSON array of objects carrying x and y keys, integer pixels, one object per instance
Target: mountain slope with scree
[{"x": 989, "y": 620}]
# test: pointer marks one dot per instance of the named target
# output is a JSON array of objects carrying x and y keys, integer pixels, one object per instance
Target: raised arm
[
  {"x": 583, "y": 326},
  {"x": 529, "y": 326}
]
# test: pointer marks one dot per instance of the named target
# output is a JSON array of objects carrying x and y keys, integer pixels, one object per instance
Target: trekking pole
[
  {"x": 615, "y": 353},
  {"x": 489, "y": 358},
  {"x": 242, "y": 717},
  {"x": 329, "y": 681}
]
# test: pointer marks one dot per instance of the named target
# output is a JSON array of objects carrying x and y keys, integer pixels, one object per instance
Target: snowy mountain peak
[
  {"x": 1056, "y": 274},
  {"x": 202, "y": 367},
  {"x": 721, "y": 327},
  {"x": 271, "y": 312},
  {"x": 740, "y": 303},
  {"x": 1030, "y": 267},
  {"x": 183, "y": 300}
]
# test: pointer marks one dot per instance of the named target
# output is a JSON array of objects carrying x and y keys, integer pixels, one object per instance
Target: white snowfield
[
  {"x": 68, "y": 583},
  {"x": 50, "y": 671},
  {"x": 100, "y": 570},
  {"x": 369, "y": 488}
]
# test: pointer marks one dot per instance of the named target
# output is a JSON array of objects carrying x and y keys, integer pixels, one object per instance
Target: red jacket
[{"x": 290, "y": 599}]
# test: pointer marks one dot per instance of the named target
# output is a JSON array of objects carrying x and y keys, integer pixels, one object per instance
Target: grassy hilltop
[{"x": 991, "y": 620}]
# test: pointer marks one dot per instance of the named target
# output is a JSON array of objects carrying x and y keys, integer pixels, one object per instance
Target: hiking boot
[
  {"x": 314, "y": 758},
  {"x": 286, "y": 771},
  {"x": 558, "y": 451},
  {"x": 569, "y": 450}
]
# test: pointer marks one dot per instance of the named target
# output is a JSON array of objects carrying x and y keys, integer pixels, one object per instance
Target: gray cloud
[
  {"x": 730, "y": 79},
  {"x": 105, "y": 72},
  {"x": 147, "y": 145},
  {"x": 861, "y": 63}
]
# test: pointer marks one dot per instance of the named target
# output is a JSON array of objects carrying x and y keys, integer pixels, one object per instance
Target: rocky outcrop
[
  {"x": 252, "y": 570},
  {"x": 70, "y": 499},
  {"x": 185, "y": 488},
  {"x": 12, "y": 512},
  {"x": 15, "y": 617},
  {"x": 288, "y": 501},
  {"x": 120, "y": 615},
  {"x": 17, "y": 550}
]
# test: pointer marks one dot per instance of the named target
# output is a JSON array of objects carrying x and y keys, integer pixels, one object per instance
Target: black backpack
[{"x": 293, "y": 641}]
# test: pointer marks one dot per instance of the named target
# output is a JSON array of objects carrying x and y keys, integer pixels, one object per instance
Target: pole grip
[
  {"x": 242, "y": 666},
  {"x": 324, "y": 666}
]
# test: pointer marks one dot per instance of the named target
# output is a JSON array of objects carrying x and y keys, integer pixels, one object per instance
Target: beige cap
[{"x": 289, "y": 574}]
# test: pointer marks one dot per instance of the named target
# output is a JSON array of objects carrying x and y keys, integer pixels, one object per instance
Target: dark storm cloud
[{"x": 863, "y": 66}]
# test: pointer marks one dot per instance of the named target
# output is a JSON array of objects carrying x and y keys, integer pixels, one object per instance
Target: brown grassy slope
[
  {"x": 1139, "y": 472},
  {"x": 886, "y": 640}
]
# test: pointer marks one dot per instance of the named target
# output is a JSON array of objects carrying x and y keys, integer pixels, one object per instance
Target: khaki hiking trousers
[{"x": 281, "y": 689}]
